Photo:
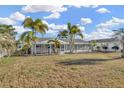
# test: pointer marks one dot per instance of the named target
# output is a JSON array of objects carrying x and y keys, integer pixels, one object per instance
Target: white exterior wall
[
  {"x": 65, "y": 48},
  {"x": 110, "y": 45},
  {"x": 79, "y": 47}
]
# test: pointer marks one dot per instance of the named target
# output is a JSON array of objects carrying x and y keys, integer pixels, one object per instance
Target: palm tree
[
  {"x": 56, "y": 45},
  {"x": 70, "y": 33},
  {"x": 7, "y": 29},
  {"x": 93, "y": 45},
  {"x": 119, "y": 34},
  {"x": 36, "y": 26},
  {"x": 7, "y": 40},
  {"x": 27, "y": 38}
]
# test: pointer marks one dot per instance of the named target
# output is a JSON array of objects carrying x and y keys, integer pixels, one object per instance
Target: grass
[{"x": 69, "y": 70}]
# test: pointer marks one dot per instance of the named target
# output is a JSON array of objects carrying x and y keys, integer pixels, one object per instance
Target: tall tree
[
  {"x": 35, "y": 26},
  {"x": 7, "y": 40},
  {"x": 56, "y": 45},
  {"x": 70, "y": 33},
  {"x": 119, "y": 34},
  {"x": 93, "y": 45}
]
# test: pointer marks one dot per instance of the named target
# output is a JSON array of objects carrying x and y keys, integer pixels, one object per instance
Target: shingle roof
[
  {"x": 65, "y": 40},
  {"x": 45, "y": 41},
  {"x": 105, "y": 40},
  {"x": 83, "y": 41}
]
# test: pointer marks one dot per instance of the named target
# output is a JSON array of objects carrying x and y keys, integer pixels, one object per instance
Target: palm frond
[
  {"x": 69, "y": 25},
  {"x": 28, "y": 22},
  {"x": 63, "y": 34},
  {"x": 23, "y": 35},
  {"x": 81, "y": 35},
  {"x": 56, "y": 42},
  {"x": 39, "y": 26}
]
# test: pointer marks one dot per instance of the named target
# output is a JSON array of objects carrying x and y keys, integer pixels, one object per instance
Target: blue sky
[{"x": 94, "y": 21}]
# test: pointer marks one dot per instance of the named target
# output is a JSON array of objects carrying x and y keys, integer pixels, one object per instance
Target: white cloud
[
  {"x": 98, "y": 34},
  {"x": 63, "y": 27},
  {"x": 57, "y": 27},
  {"x": 103, "y": 10},
  {"x": 7, "y": 21},
  {"x": 45, "y": 22},
  {"x": 86, "y": 6},
  {"x": 53, "y": 26},
  {"x": 111, "y": 23},
  {"x": 103, "y": 30},
  {"x": 53, "y": 29},
  {"x": 12, "y": 19},
  {"x": 82, "y": 28},
  {"x": 85, "y": 21},
  {"x": 54, "y": 15},
  {"x": 17, "y": 16},
  {"x": 43, "y": 8},
  {"x": 20, "y": 29}
]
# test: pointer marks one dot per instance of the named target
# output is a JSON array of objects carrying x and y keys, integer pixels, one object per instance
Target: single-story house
[{"x": 43, "y": 47}]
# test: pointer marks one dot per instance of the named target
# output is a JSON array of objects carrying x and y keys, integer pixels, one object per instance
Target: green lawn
[{"x": 70, "y": 70}]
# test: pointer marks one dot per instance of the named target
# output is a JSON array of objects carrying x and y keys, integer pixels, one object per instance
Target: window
[
  {"x": 62, "y": 47},
  {"x": 115, "y": 48},
  {"x": 37, "y": 46}
]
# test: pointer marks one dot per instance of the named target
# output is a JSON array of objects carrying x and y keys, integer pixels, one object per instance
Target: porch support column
[
  {"x": 64, "y": 48},
  {"x": 50, "y": 49},
  {"x": 76, "y": 47},
  {"x": 35, "y": 49},
  {"x": 40, "y": 48},
  {"x": 32, "y": 49}
]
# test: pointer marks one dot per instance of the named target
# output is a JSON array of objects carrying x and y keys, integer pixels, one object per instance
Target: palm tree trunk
[
  {"x": 71, "y": 44},
  {"x": 92, "y": 49},
  {"x": 71, "y": 47}
]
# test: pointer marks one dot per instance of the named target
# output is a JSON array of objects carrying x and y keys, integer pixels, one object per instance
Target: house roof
[
  {"x": 63, "y": 41},
  {"x": 105, "y": 40},
  {"x": 45, "y": 41},
  {"x": 77, "y": 41}
]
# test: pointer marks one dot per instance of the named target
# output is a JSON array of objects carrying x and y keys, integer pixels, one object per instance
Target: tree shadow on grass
[{"x": 86, "y": 61}]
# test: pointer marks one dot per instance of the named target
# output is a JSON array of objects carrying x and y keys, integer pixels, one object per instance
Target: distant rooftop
[
  {"x": 65, "y": 40},
  {"x": 105, "y": 40},
  {"x": 82, "y": 41}
]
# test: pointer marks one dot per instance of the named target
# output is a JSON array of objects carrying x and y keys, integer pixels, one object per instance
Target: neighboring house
[
  {"x": 43, "y": 47},
  {"x": 110, "y": 44}
]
